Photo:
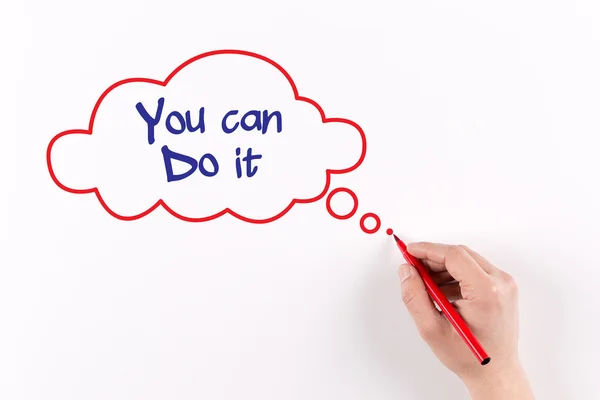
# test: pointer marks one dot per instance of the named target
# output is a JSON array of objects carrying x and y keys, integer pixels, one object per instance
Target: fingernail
[{"x": 405, "y": 271}]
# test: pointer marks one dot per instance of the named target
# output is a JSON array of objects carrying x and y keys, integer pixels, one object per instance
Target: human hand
[{"x": 486, "y": 298}]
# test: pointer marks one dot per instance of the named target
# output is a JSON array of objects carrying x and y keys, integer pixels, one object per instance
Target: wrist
[{"x": 500, "y": 382}]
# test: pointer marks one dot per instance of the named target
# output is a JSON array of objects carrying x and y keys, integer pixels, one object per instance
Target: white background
[{"x": 482, "y": 121}]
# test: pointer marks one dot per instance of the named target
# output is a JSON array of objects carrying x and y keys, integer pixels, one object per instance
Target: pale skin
[{"x": 486, "y": 298}]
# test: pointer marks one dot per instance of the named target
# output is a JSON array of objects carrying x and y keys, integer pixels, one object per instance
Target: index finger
[{"x": 459, "y": 263}]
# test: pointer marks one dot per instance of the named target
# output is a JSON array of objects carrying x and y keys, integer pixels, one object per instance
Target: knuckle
[
  {"x": 491, "y": 299},
  {"x": 510, "y": 283},
  {"x": 457, "y": 251},
  {"x": 496, "y": 294},
  {"x": 499, "y": 292},
  {"x": 408, "y": 296}
]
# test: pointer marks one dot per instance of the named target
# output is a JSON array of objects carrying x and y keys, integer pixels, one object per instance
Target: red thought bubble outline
[{"x": 160, "y": 202}]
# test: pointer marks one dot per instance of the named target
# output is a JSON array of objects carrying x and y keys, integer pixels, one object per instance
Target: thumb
[{"x": 428, "y": 319}]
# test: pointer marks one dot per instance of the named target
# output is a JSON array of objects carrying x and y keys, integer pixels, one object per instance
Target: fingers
[
  {"x": 429, "y": 321},
  {"x": 433, "y": 266},
  {"x": 451, "y": 291},
  {"x": 485, "y": 264},
  {"x": 441, "y": 277},
  {"x": 457, "y": 260}
]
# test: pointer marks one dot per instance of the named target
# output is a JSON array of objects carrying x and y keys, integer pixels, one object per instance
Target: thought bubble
[
  {"x": 225, "y": 133},
  {"x": 353, "y": 209}
]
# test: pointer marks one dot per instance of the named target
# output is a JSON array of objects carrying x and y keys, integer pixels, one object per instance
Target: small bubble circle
[
  {"x": 354, "y": 203},
  {"x": 377, "y": 223},
  {"x": 389, "y": 231}
]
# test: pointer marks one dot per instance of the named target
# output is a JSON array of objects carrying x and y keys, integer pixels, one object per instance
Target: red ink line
[
  {"x": 354, "y": 203},
  {"x": 377, "y": 223}
]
